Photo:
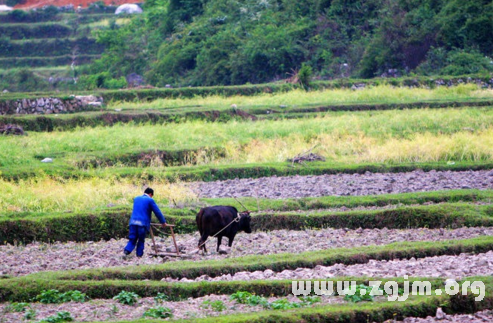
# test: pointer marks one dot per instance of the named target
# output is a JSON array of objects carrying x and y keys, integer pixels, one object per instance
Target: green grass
[
  {"x": 25, "y": 288},
  {"x": 106, "y": 223},
  {"x": 355, "y": 201},
  {"x": 353, "y": 138},
  {"x": 382, "y": 94},
  {"x": 45, "y": 197}
]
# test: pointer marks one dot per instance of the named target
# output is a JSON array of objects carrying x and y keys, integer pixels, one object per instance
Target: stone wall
[{"x": 50, "y": 105}]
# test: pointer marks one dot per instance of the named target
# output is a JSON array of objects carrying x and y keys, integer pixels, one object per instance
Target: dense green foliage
[
  {"x": 21, "y": 31},
  {"x": 222, "y": 42},
  {"x": 32, "y": 62},
  {"x": 50, "y": 47}
]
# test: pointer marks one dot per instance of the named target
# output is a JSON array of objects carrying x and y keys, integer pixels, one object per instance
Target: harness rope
[{"x": 237, "y": 219}]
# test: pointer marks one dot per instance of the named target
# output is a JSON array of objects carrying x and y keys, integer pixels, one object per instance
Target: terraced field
[
  {"x": 52, "y": 44},
  {"x": 403, "y": 195}
]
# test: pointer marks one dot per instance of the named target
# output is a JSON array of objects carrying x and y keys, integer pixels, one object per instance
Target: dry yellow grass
[
  {"x": 359, "y": 148},
  {"x": 44, "y": 194}
]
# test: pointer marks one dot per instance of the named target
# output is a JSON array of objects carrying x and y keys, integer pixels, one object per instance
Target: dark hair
[{"x": 149, "y": 191}]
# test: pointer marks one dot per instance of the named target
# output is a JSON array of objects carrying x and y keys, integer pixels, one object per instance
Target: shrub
[
  {"x": 304, "y": 76},
  {"x": 101, "y": 80},
  {"x": 12, "y": 3},
  {"x": 127, "y": 298},
  {"x": 467, "y": 62},
  {"x": 18, "y": 15}
]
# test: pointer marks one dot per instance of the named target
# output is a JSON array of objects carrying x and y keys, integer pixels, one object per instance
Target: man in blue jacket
[{"x": 140, "y": 221}]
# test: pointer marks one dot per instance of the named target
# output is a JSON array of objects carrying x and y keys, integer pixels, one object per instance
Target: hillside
[
  {"x": 218, "y": 42},
  {"x": 43, "y": 49},
  {"x": 30, "y": 4}
]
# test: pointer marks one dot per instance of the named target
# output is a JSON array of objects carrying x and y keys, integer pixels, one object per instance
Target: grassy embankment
[
  {"x": 288, "y": 103},
  {"x": 349, "y": 139},
  {"x": 113, "y": 223}
]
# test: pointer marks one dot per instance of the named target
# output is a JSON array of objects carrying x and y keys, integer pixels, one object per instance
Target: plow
[{"x": 157, "y": 253}]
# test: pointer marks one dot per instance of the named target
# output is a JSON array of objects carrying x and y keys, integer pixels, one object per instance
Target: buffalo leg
[
  {"x": 219, "y": 239},
  {"x": 202, "y": 241},
  {"x": 231, "y": 240}
]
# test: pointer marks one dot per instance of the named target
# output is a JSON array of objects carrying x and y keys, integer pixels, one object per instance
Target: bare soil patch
[
  {"x": 36, "y": 257},
  {"x": 346, "y": 184}
]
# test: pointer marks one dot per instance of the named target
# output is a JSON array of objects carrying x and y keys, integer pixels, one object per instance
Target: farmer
[{"x": 140, "y": 221}]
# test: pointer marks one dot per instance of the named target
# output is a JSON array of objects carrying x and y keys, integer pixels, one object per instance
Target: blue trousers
[{"x": 136, "y": 237}]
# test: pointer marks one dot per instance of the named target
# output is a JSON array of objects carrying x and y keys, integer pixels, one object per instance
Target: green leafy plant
[
  {"x": 17, "y": 307},
  {"x": 361, "y": 293},
  {"x": 284, "y": 304},
  {"x": 53, "y": 296},
  {"x": 127, "y": 298},
  {"x": 62, "y": 316},
  {"x": 158, "y": 312},
  {"x": 217, "y": 306},
  {"x": 240, "y": 297},
  {"x": 255, "y": 300},
  {"x": 73, "y": 296},
  {"x": 160, "y": 298},
  {"x": 248, "y": 298}
]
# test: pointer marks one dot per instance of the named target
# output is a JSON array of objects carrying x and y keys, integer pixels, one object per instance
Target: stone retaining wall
[{"x": 50, "y": 105}]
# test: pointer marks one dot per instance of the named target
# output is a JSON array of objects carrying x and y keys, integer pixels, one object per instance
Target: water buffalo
[{"x": 210, "y": 221}]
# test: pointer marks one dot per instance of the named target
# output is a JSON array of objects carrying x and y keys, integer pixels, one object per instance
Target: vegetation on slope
[{"x": 222, "y": 42}]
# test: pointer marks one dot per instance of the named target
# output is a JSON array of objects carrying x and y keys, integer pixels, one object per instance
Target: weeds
[
  {"x": 30, "y": 314},
  {"x": 280, "y": 304},
  {"x": 62, "y": 316},
  {"x": 158, "y": 312},
  {"x": 284, "y": 304},
  {"x": 358, "y": 293},
  {"x": 160, "y": 298},
  {"x": 217, "y": 306},
  {"x": 17, "y": 307}
]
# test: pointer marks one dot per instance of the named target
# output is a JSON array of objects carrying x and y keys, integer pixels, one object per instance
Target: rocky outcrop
[{"x": 50, "y": 105}]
